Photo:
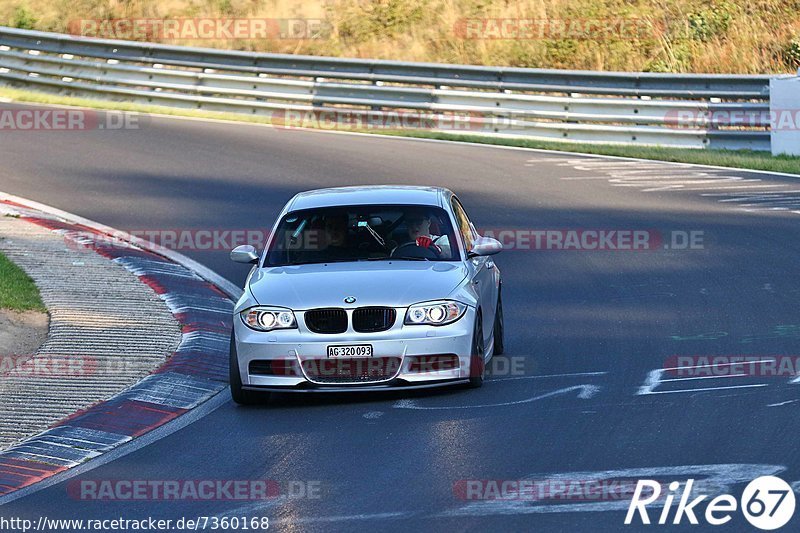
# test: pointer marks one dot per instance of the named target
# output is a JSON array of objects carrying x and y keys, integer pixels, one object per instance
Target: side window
[{"x": 464, "y": 226}]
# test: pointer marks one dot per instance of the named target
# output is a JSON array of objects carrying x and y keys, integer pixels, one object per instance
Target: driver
[{"x": 419, "y": 232}]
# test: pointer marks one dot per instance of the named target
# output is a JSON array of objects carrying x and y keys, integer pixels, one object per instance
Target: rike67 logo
[{"x": 767, "y": 502}]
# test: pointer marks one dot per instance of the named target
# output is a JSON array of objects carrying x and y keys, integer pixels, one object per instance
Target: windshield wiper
[{"x": 375, "y": 235}]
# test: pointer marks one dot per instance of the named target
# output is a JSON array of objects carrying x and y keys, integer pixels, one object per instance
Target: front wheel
[
  {"x": 477, "y": 366},
  {"x": 238, "y": 394}
]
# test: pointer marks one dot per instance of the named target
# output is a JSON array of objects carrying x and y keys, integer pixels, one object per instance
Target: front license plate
[{"x": 356, "y": 350}]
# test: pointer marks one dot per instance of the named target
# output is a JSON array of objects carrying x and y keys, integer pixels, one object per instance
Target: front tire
[
  {"x": 477, "y": 366},
  {"x": 238, "y": 394}
]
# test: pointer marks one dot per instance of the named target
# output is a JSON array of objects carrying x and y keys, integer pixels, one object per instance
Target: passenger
[{"x": 334, "y": 237}]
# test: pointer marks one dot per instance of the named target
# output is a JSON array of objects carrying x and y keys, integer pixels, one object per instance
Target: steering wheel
[{"x": 411, "y": 249}]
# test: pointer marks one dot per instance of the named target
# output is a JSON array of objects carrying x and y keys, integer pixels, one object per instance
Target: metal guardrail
[{"x": 686, "y": 110}]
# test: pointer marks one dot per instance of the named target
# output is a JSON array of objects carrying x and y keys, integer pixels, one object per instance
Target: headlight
[
  {"x": 435, "y": 313},
  {"x": 268, "y": 318}
]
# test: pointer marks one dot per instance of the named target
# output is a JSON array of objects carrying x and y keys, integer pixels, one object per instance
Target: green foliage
[
  {"x": 791, "y": 55},
  {"x": 561, "y": 52},
  {"x": 17, "y": 290},
  {"x": 712, "y": 22},
  {"x": 225, "y": 7},
  {"x": 23, "y": 19}
]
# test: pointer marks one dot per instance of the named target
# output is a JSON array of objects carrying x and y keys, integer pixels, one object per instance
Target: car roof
[{"x": 369, "y": 195}]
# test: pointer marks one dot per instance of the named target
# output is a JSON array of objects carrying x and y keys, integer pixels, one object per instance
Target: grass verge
[
  {"x": 723, "y": 158},
  {"x": 17, "y": 290}
]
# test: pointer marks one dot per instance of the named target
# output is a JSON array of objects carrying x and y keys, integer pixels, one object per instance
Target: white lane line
[
  {"x": 734, "y": 187},
  {"x": 641, "y": 181},
  {"x": 586, "y": 392},
  {"x": 704, "y": 377},
  {"x": 548, "y": 160},
  {"x": 782, "y": 403},
  {"x": 740, "y": 196},
  {"x": 685, "y": 177},
  {"x": 651, "y": 382},
  {"x": 584, "y": 178},
  {"x": 707, "y": 389},
  {"x": 590, "y": 165},
  {"x": 667, "y": 172},
  {"x": 766, "y": 196},
  {"x": 717, "y": 365},
  {"x": 778, "y": 202},
  {"x": 657, "y": 180},
  {"x": 653, "y": 379},
  {"x": 688, "y": 178},
  {"x": 673, "y": 186}
]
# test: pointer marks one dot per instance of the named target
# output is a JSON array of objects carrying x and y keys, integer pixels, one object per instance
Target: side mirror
[
  {"x": 485, "y": 246},
  {"x": 244, "y": 254}
]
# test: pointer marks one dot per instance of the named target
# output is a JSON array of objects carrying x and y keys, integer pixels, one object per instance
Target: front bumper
[{"x": 410, "y": 348}]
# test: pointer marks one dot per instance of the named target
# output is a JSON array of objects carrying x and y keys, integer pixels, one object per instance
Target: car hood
[{"x": 384, "y": 283}]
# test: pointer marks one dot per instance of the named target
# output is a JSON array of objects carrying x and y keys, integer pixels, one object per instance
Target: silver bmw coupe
[{"x": 366, "y": 289}]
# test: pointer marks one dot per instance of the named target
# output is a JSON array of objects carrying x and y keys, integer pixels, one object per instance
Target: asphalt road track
[{"x": 588, "y": 327}]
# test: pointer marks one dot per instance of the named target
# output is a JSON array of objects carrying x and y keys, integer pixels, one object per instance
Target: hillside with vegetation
[{"x": 729, "y": 36}]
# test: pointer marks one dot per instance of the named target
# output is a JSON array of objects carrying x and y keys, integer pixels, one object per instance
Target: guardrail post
[{"x": 784, "y": 106}]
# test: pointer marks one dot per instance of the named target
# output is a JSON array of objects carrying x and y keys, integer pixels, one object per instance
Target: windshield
[{"x": 363, "y": 233}]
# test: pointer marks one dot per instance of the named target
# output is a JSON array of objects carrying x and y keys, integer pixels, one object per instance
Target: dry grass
[{"x": 759, "y": 36}]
